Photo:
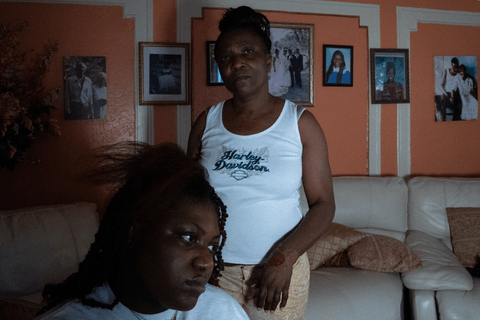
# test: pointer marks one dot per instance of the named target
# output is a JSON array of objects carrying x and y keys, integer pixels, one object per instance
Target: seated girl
[{"x": 158, "y": 247}]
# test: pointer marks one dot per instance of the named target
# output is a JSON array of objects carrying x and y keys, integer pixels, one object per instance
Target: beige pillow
[
  {"x": 383, "y": 254},
  {"x": 465, "y": 233},
  {"x": 340, "y": 260},
  {"x": 16, "y": 309},
  {"x": 337, "y": 238}
]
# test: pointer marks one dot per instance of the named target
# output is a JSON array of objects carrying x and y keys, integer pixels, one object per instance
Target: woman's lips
[{"x": 197, "y": 285}]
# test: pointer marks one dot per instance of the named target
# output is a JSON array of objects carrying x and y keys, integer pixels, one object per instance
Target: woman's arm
[
  {"x": 317, "y": 182},
  {"x": 194, "y": 147}
]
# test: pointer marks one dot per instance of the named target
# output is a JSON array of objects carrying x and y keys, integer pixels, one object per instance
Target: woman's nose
[
  {"x": 204, "y": 259},
  {"x": 238, "y": 61}
]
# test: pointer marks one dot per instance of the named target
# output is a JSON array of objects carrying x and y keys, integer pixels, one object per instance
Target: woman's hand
[{"x": 271, "y": 289}]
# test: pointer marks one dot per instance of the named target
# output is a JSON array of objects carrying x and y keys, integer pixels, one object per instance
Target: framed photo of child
[{"x": 389, "y": 70}]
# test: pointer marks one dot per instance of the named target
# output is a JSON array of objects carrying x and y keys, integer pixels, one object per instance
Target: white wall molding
[
  {"x": 407, "y": 22},
  {"x": 369, "y": 16},
  {"x": 142, "y": 12}
]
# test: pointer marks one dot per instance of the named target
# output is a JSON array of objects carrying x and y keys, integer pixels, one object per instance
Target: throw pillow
[
  {"x": 17, "y": 309},
  {"x": 337, "y": 238},
  {"x": 383, "y": 254},
  {"x": 465, "y": 233},
  {"x": 340, "y": 260}
]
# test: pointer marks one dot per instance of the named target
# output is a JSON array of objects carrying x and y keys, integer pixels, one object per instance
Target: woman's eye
[{"x": 247, "y": 51}]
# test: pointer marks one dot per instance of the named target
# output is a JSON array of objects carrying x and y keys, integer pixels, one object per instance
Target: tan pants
[{"x": 236, "y": 281}]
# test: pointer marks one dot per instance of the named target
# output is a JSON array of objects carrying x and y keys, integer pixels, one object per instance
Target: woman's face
[
  {"x": 391, "y": 74},
  {"x": 175, "y": 259},
  {"x": 337, "y": 60},
  {"x": 243, "y": 62}
]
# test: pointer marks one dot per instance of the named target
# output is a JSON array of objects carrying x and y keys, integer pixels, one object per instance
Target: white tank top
[{"x": 257, "y": 177}]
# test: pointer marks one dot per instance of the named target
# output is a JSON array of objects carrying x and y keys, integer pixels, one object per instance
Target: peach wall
[
  {"x": 164, "y": 30},
  {"x": 441, "y": 148},
  {"x": 81, "y": 30},
  {"x": 341, "y": 111}
]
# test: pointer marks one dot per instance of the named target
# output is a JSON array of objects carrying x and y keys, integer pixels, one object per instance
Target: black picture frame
[
  {"x": 382, "y": 61},
  {"x": 213, "y": 73},
  {"x": 344, "y": 74}
]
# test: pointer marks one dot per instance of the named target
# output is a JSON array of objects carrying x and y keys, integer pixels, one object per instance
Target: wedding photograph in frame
[
  {"x": 337, "y": 65},
  {"x": 164, "y": 70},
  {"x": 213, "y": 73},
  {"x": 389, "y": 70},
  {"x": 291, "y": 74}
]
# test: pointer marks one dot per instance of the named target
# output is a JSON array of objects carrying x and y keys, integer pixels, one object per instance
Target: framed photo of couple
[
  {"x": 389, "y": 76},
  {"x": 337, "y": 65},
  {"x": 291, "y": 73}
]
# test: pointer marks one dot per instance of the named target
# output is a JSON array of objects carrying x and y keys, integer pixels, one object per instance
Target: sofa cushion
[
  {"x": 372, "y": 204},
  {"x": 349, "y": 293},
  {"x": 382, "y": 254},
  {"x": 429, "y": 198},
  {"x": 440, "y": 270},
  {"x": 465, "y": 233},
  {"x": 41, "y": 245},
  {"x": 337, "y": 238}
]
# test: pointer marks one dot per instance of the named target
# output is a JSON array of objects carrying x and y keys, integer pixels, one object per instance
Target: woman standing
[
  {"x": 469, "y": 103},
  {"x": 278, "y": 83},
  {"x": 258, "y": 149}
]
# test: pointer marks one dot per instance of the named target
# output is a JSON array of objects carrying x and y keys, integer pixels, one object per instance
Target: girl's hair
[
  {"x": 246, "y": 18},
  {"x": 151, "y": 181},
  {"x": 342, "y": 66}
]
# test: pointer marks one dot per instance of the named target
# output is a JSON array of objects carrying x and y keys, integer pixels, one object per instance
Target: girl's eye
[
  {"x": 213, "y": 248},
  {"x": 189, "y": 238}
]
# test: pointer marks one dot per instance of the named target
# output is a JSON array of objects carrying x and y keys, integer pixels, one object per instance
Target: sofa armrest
[
  {"x": 440, "y": 270},
  {"x": 423, "y": 305}
]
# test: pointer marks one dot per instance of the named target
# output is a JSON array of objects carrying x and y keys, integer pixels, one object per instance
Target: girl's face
[
  {"x": 243, "y": 62},
  {"x": 337, "y": 60},
  {"x": 175, "y": 259}
]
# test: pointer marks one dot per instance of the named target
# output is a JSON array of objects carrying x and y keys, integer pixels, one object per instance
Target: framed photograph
[
  {"x": 213, "y": 73},
  {"x": 456, "y": 89},
  {"x": 389, "y": 76},
  {"x": 337, "y": 65},
  {"x": 291, "y": 75},
  {"x": 85, "y": 81},
  {"x": 164, "y": 70}
]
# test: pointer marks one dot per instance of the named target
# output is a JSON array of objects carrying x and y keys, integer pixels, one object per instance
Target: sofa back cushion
[
  {"x": 41, "y": 245},
  {"x": 429, "y": 198},
  {"x": 371, "y": 205}
]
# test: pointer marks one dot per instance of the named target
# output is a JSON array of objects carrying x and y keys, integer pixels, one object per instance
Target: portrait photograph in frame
[
  {"x": 213, "y": 73},
  {"x": 164, "y": 70},
  {"x": 85, "y": 79},
  {"x": 337, "y": 65},
  {"x": 291, "y": 74},
  {"x": 389, "y": 76},
  {"x": 456, "y": 88}
]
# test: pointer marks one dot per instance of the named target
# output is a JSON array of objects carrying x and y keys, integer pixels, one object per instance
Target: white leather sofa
[
  {"x": 41, "y": 245},
  {"x": 442, "y": 288},
  {"x": 370, "y": 205}
]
